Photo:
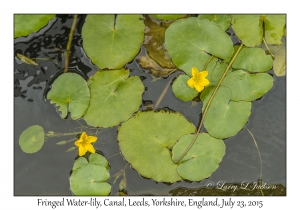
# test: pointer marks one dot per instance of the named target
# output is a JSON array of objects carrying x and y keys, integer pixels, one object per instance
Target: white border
[{"x": 8, "y": 201}]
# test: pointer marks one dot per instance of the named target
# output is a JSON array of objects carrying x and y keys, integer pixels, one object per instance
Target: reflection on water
[{"x": 46, "y": 172}]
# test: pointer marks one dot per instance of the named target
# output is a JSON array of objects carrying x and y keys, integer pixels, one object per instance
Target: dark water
[{"x": 47, "y": 171}]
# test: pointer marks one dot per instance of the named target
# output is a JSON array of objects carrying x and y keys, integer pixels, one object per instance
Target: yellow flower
[
  {"x": 198, "y": 80},
  {"x": 84, "y": 144}
]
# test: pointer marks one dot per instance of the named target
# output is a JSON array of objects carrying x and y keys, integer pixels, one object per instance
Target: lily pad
[
  {"x": 146, "y": 140},
  {"x": 25, "y": 24},
  {"x": 99, "y": 160},
  {"x": 112, "y": 40},
  {"x": 202, "y": 159},
  {"x": 274, "y": 28},
  {"x": 247, "y": 87},
  {"x": 70, "y": 92},
  {"x": 89, "y": 177},
  {"x": 182, "y": 90},
  {"x": 215, "y": 70},
  {"x": 222, "y": 20},
  {"x": 250, "y": 30},
  {"x": 224, "y": 117},
  {"x": 190, "y": 41},
  {"x": 279, "y": 52},
  {"x": 90, "y": 180},
  {"x": 154, "y": 43},
  {"x": 253, "y": 60},
  {"x": 32, "y": 139},
  {"x": 114, "y": 97},
  {"x": 167, "y": 17}
]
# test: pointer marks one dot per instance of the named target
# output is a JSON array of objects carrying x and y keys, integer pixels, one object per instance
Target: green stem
[
  {"x": 70, "y": 43},
  {"x": 260, "y": 183},
  {"x": 208, "y": 62},
  {"x": 268, "y": 48},
  {"x": 208, "y": 104}
]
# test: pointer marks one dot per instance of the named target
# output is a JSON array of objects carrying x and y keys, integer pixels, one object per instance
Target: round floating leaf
[
  {"x": 222, "y": 20},
  {"x": 274, "y": 28},
  {"x": 70, "y": 92},
  {"x": 81, "y": 161},
  {"x": 253, "y": 60},
  {"x": 32, "y": 139},
  {"x": 27, "y": 24},
  {"x": 98, "y": 160},
  {"x": 202, "y": 159},
  {"x": 279, "y": 52},
  {"x": 114, "y": 97},
  {"x": 182, "y": 90},
  {"x": 146, "y": 140},
  {"x": 248, "y": 29},
  {"x": 247, "y": 87},
  {"x": 167, "y": 17},
  {"x": 90, "y": 180},
  {"x": 188, "y": 42},
  {"x": 112, "y": 40},
  {"x": 224, "y": 118}
]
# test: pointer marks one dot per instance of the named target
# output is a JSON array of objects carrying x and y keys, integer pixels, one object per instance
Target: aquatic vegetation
[{"x": 84, "y": 144}]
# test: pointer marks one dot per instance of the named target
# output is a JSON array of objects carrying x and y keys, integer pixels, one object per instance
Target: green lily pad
[
  {"x": 247, "y": 87},
  {"x": 222, "y": 20},
  {"x": 89, "y": 177},
  {"x": 250, "y": 30},
  {"x": 90, "y": 180},
  {"x": 188, "y": 42},
  {"x": 111, "y": 41},
  {"x": 25, "y": 24},
  {"x": 70, "y": 92},
  {"x": 279, "y": 52},
  {"x": 146, "y": 140},
  {"x": 167, "y": 17},
  {"x": 224, "y": 117},
  {"x": 32, "y": 139},
  {"x": 253, "y": 60},
  {"x": 202, "y": 159},
  {"x": 274, "y": 28},
  {"x": 114, "y": 97},
  {"x": 81, "y": 161},
  {"x": 99, "y": 160},
  {"x": 182, "y": 90},
  {"x": 154, "y": 43}
]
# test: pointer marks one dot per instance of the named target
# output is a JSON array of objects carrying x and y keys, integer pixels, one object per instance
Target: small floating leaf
[
  {"x": 32, "y": 139},
  {"x": 182, "y": 90},
  {"x": 224, "y": 118},
  {"x": 253, "y": 60},
  {"x": 112, "y": 41},
  {"x": 26, "y": 24},
  {"x": 70, "y": 92},
  {"x": 26, "y": 59},
  {"x": 247, "y": 87},
  {"x": 89, "y": 178},
  {"x": 222, "y": 20},
  {"x": 202, "y": 159},
  {"x": 188, "y": 42},
  {"x": 114, "y": 97},
  {"x": 274, "y": 28},
  {"x": 146, "y": 140},
  {"x": 167, "y": 17},
  {"x": 215, "y": 70}
]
